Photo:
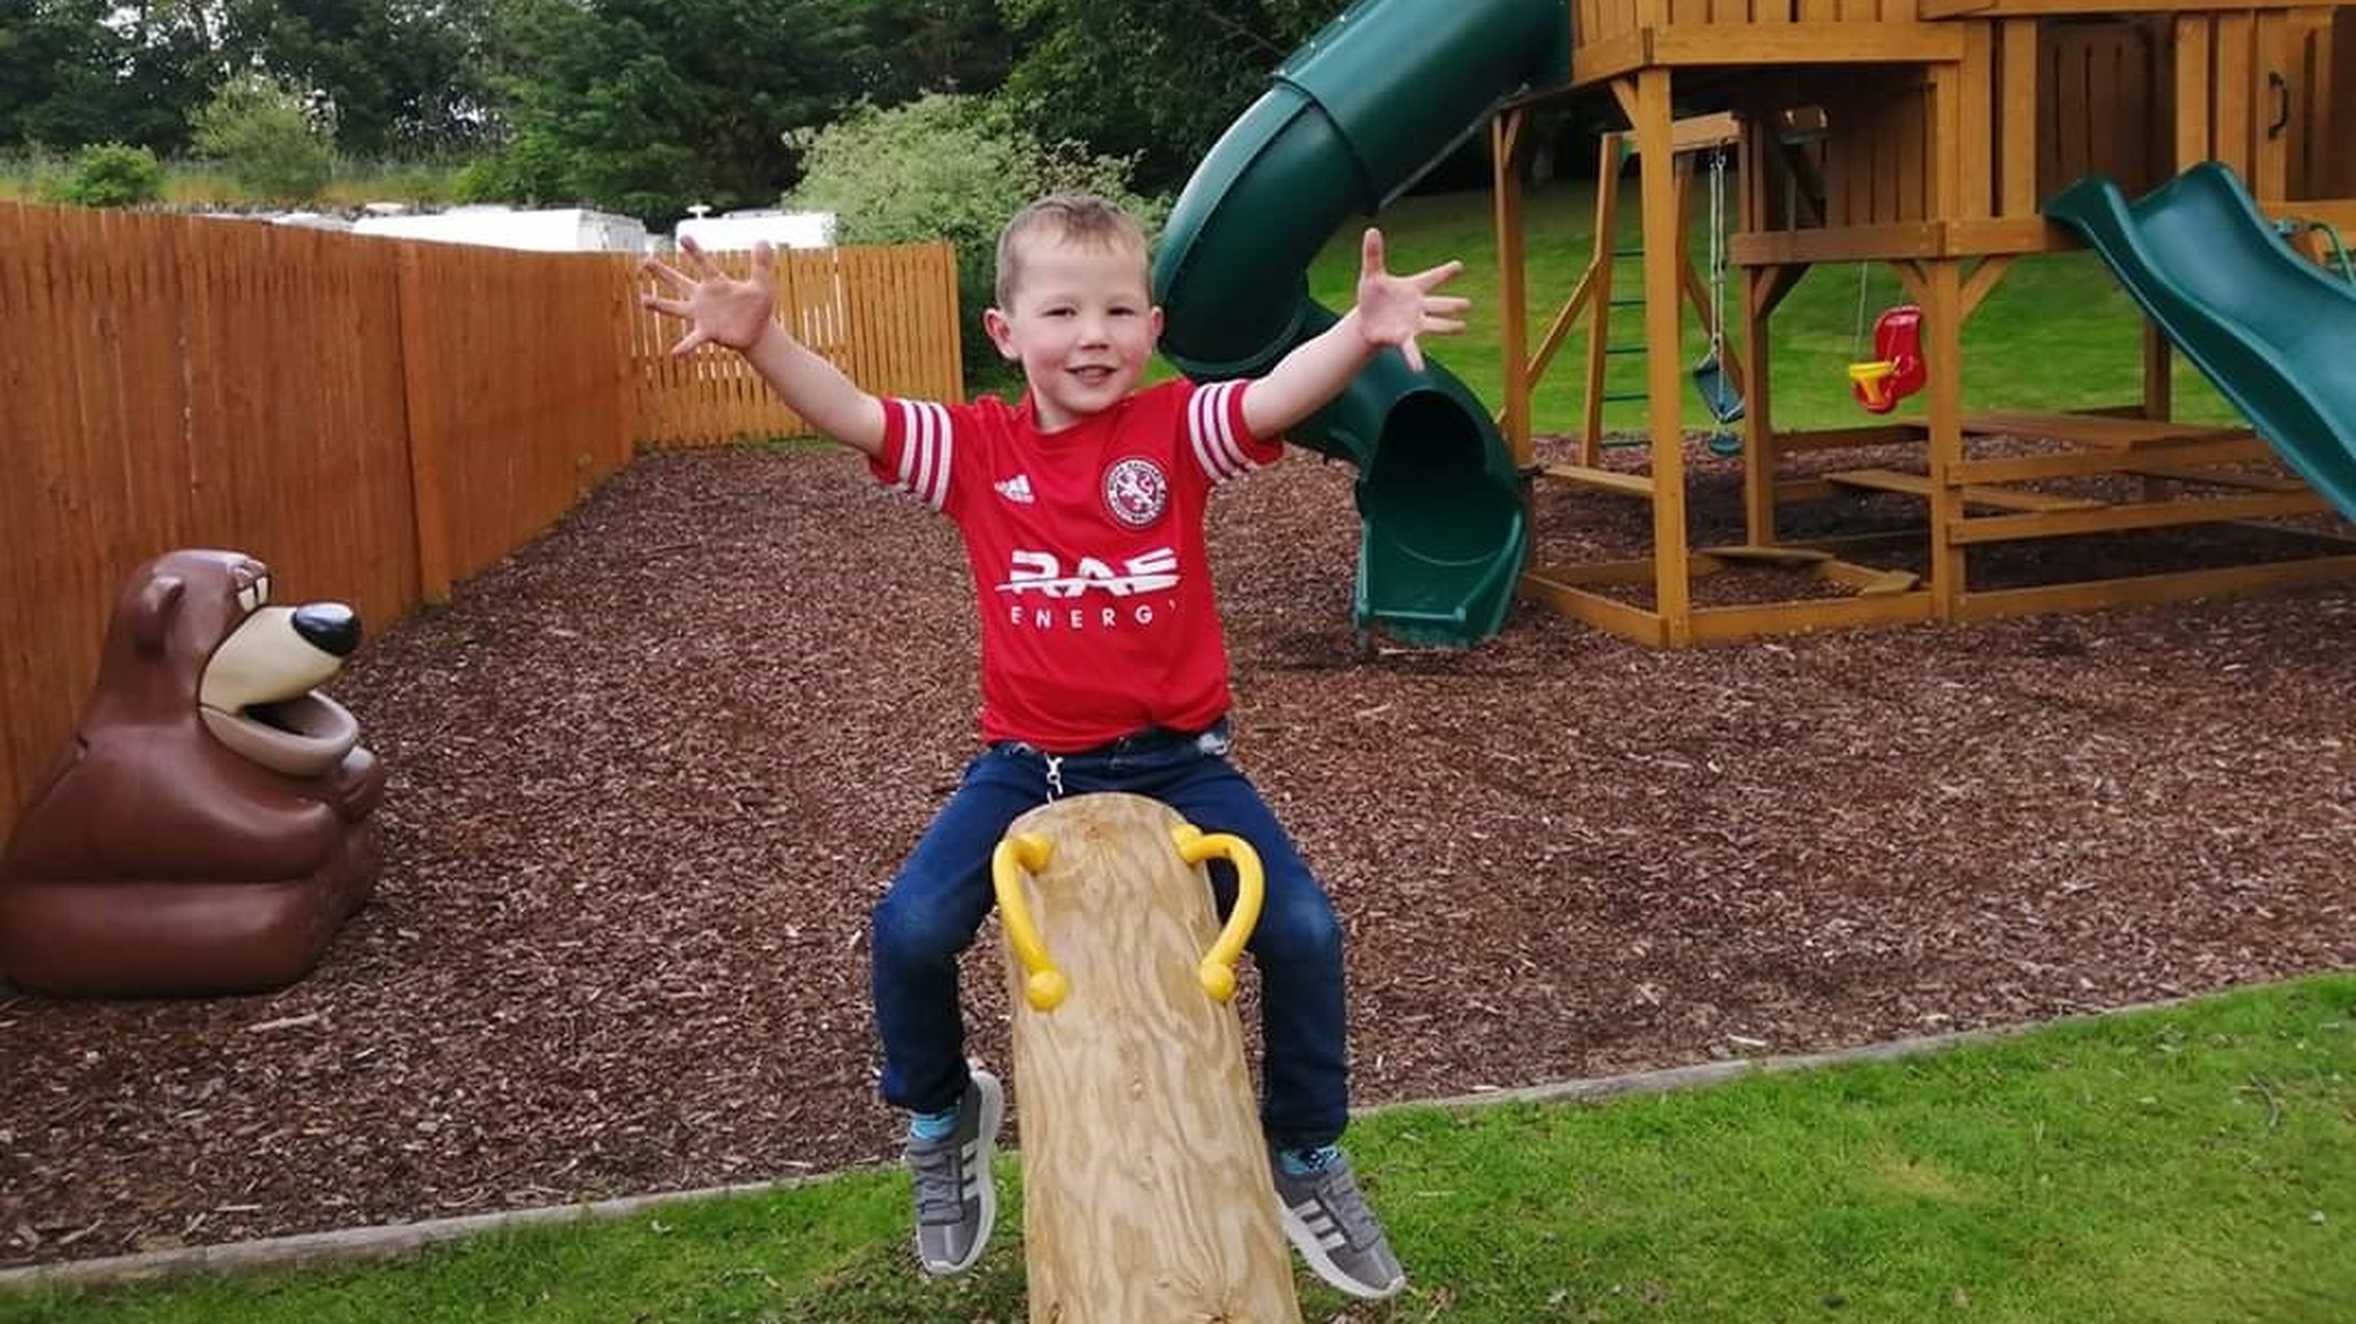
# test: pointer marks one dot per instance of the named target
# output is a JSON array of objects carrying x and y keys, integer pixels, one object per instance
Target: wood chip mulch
[{"x": 649, "y": 774}]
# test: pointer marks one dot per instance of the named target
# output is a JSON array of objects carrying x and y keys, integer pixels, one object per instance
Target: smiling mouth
[
  {"x": 304, "y": 736},
  {"x": 276, "y": 716}
]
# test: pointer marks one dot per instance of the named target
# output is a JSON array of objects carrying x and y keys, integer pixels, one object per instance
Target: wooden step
[
  {"x": 2003, "y": 498},
  {"x": 2185, "y": 473},
  {"x": 1783, "y": 556},
  {"x": 1870, "y": 582},
  {"x": 1609, "y": 480}
]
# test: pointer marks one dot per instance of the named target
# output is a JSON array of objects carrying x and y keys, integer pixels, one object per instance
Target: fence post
[
  {"x": 631, "y": 408},
  {"x": 956, "y": 323},
  {"x": 424, "y": 427}
]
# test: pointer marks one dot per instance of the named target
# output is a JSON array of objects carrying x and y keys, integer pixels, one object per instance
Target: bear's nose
[{"x": 331, "y": 627}]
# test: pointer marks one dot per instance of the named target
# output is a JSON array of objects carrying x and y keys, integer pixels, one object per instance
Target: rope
[
  {"x": 1722, "y": 442},
  {"x": 1717, "y": 252},
  {"x": 1857, "y": 339}
]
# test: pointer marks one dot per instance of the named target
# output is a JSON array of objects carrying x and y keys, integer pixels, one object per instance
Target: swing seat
[
  {"x": 1718, "y": 394},
  {"x": 1865, "y": 382},
  {"x": 1897, "y": 370},
  {"x": 1724, "y": 403}
]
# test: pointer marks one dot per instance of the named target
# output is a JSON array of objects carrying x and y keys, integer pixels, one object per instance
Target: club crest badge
[{"x": 1136, "y": 493}]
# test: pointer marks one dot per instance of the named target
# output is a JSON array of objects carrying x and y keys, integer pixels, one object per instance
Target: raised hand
[
  {"x": 1394, "y": 310},
  {"x": 718, "y": 308}
]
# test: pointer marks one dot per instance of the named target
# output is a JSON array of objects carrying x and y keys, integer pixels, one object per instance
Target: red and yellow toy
[{"x": 1897, "y": 369}]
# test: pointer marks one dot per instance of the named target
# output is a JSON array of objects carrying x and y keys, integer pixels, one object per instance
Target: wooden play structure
[
  {"x": 1926, "y": 135},
  {"x": 1147, "y": 1194}
]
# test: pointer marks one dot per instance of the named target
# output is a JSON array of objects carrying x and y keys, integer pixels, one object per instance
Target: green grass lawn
[
  {"x": 2058, "y": 332},
  {"x": 2192, "y": 1164}
]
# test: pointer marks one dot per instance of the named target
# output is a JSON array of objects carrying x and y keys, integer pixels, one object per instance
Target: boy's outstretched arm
[
  {"x": 741, "y": 315},
  {"x": 1391, "y": 310}
]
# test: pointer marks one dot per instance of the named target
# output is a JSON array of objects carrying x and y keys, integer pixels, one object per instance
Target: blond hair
[{"x": 1082, "y": 218}]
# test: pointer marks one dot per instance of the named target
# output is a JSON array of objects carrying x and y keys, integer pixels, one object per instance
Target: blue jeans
[{"x": 943, "y": 892}]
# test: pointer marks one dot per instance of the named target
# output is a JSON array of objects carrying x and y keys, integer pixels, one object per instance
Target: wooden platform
[
  {"x": 2099, "y": 430},
  {"x": 1915, "y": 240},
  {"x": 2003, "y": 498},
  {"x": 1749, "y": 45},
  {"x": 1603, "y": 480}
]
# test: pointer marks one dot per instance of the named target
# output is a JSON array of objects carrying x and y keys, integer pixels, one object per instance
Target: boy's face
[{"x": 1081, "y": 323}]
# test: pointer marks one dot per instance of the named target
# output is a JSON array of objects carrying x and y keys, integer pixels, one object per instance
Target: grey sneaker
[
  {"x": 1331, "y": 1225},
  {"x": 956, "y": 1202}
]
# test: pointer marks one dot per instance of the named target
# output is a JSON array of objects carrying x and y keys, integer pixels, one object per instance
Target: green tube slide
[
  {"x": 1352, "y": 120},
  {"x": 2272, "y": 330}
]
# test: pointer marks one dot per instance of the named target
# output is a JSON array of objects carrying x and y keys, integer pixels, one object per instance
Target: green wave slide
[
  {"x": 2274, "y": 332},
  {"x": 1353, "y": 119}
]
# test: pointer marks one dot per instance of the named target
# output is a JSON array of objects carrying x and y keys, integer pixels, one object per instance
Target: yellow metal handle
[
  {"x": 1026, "y": 852},
  {"x": 1871, "y": 375},
  {"x": 1217, "y": 970}
]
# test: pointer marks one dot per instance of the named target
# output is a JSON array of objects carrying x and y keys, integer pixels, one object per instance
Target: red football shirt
[{"x": 1087, "y": 553}]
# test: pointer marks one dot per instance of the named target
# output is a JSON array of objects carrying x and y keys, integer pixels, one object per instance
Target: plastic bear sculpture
[{"x": 206, "y": 831}]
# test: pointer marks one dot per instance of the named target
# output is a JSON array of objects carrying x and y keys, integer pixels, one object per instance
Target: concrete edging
[{"x": 313, "y": 1250}]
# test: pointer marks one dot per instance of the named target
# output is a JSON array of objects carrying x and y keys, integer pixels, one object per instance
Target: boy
[{"x": 1103, "y": 665}]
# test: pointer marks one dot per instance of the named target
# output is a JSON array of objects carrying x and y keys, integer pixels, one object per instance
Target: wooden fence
[
  {"x": 885, "y": 316},
  {"x": 374, "y": 418}
]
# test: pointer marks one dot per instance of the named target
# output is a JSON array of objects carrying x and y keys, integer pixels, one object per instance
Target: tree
[
  {"x": 953, "y": 168},
  {"x": 1157, "y": 80},
  {"x": 74, "y": 72},
  {"x": 400, "y": 75},
  {"x": 651, "y": 106},
  {"x": 910, "y": 47},
  {"x": 639, "y": 105},
  {"x": 44, "y": 46}
]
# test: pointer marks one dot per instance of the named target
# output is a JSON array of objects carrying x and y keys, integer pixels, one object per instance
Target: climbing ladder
[{"x": 1691, "y": 138}]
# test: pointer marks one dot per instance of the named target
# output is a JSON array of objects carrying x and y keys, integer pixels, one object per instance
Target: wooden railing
[{"x": 1603, "y": 20}]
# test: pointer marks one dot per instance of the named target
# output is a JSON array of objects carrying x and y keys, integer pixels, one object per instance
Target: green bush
[
  {"x": 954, "y": 168},
  {"x": 480, "y": 180},
  {"x": 534, "y": 169},
  {"x": 270, "y": 142},
  {"x": 108, "y": 175}
]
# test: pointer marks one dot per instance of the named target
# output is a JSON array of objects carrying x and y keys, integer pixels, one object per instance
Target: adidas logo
[{"x": 1016, "y": 489}]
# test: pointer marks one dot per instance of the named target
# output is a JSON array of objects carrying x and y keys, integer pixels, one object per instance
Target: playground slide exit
[
  {"x": 1353, "y": 118},
  {"x": 2273, "y": 331}
]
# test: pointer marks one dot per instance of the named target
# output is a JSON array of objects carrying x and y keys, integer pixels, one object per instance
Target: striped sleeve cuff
[
  {"x": 920, "y": 448},
  {"x": 1215, "y": 431}
]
